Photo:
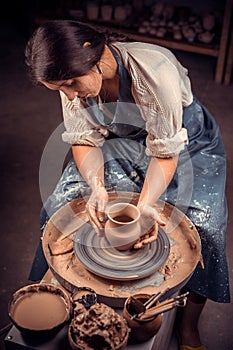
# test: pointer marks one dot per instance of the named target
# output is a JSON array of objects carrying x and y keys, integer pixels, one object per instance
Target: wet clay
[
  {"x": 185, "y": 254},
  {"x": 100, "y": 327},
  {"x": 39, "y": 311},
  {"x": 122, "y": 229}
]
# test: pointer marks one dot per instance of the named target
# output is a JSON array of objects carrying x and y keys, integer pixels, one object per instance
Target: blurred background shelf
[{"x": 132, "y": 15}]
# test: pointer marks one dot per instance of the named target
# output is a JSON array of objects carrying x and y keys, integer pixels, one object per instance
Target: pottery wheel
[
  {"x": 71, "y": 270},
  {"x": 97, "y": 255}
]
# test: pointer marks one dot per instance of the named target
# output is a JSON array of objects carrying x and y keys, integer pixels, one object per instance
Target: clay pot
[
  {"x": 40, "y": 309},
  {"x": 106, "y": 12},
  {"x": 122, "y": 228},
  {"x": 141, "y": 330},
  {"x": 158, "y": 8},
  {"x": 177, "y": 35},
  {"x": 208, "y": 21},
  {"x": 120, "y": 13},
  {"x": 168, "y": 11},
  {"x": 92, "y": 11},
  {"x": 206, "y": 37},
  {"x": 189, "y": 33},
  {"x": 161, "y": 32}
]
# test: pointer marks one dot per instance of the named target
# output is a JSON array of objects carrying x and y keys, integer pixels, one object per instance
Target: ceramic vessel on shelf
[
  {"x": 157, "y": 8},
  {"x": 168, "y": 11},
  {"x": 189, "y": 33},
  {"x": 141, "y": 330},
  {"x": 177, "y": 35},
  {"x": 92, "y": 10},
  {"x": 161, "y": 32},
  {"x": 106, "y": 12},
  {"x": 208, "y": 21},
  {"x": 206, "y": 37},
  {"x": 122, "y": 228},
  {"x": 120, "y": 13}
]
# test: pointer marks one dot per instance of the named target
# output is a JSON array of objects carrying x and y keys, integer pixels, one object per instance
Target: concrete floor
[{"x": 28, "y": 117}]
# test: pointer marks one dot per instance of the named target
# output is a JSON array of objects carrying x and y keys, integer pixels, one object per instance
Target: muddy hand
[
  {"x": 149, "y": 221},
  {"x": 95, "y": 208}
]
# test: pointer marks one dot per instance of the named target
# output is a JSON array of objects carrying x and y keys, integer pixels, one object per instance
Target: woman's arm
[
  {"x": 89, "y": 161},
  {"x": 159, "y": 174}
]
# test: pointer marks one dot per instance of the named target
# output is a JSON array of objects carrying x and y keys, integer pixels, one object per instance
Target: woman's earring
[{"x": 99, "y": 69}]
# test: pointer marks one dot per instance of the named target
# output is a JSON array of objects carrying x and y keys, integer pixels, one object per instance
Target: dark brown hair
[{"x": 55, "y": 50}]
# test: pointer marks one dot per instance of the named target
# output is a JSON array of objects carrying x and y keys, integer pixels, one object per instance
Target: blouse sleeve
[
  {"x": 157, "y": 89},
  {"x": 80, "y": 127}
]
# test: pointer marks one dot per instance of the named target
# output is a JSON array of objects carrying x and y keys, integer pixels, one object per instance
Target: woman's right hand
[{"x": 96, "y": 206}]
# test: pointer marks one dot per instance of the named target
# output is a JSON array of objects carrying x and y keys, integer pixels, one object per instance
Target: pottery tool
[
  {"x": 181, "y": 298},
  {"x": 155, "y": 298},
  {"x": 178, "y": 299},
  {"x": 140, "y": 308},
  {"x": 162, "y": 308}
]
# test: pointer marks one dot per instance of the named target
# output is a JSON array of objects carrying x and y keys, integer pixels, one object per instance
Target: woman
[{"x": 134, "y": 124}]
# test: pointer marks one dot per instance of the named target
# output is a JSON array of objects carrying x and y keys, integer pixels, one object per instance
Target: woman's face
[{"x": 88, "y": 85}]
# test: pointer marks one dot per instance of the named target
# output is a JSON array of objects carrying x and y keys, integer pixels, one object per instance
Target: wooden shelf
[
  {"x": 224, "y": 42},
  {"x": 229, "y": 61},
  {"x": 217, "y": 50},
  {"x": 204, "y": 49}
]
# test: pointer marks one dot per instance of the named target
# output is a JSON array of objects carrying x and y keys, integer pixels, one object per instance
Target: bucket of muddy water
[{"x": 40, "y": 309}]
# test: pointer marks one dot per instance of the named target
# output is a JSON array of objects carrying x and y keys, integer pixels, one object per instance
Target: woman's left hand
[{"x": 149, "y": 221}]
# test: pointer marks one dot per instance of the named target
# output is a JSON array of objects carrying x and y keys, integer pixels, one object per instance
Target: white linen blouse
[{"x": 160, "y": 87}]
